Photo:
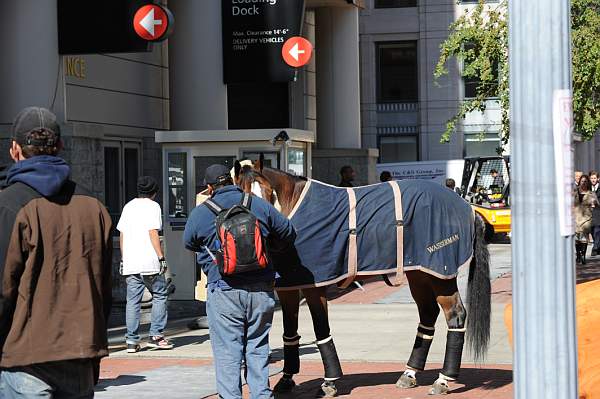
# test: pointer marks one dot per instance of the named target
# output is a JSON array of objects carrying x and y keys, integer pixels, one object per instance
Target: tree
[{"x": 479, "y": 40}]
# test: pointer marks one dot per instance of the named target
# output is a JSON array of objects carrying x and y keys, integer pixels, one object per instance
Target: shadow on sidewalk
[
  {"x": 119, "y": 381},
  {"x": 470, "y": 379}
]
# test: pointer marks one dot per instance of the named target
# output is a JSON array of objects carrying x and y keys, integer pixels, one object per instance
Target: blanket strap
[
  {"x": 399, "y": 233},
  {"x": 352, "y": 241}
]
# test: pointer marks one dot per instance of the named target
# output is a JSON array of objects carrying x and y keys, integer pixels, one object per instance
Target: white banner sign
[{"x": 562, "y": 113}]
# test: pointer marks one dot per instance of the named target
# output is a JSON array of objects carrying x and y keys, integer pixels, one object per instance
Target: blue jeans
[
  {"x": 69, "y": 379},
  {"x": 157, "y": 284},
  {"x": 596, "y": 235},
  {"x": 239, "y": 322}
]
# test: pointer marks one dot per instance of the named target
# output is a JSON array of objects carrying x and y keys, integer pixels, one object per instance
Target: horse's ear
[
  {"x": 261, "y": 161},
  {"x": 237, "y": 168}
]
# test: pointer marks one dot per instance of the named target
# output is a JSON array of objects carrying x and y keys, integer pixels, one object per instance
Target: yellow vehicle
[{"x": 486, "y": 185}]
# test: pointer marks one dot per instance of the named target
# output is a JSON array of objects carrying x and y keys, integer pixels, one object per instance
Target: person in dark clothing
[
  {"x": 55, "y": 270},
  {"x": 595, "y": 214},
  {"x": 2, "y": 176},
  {"x": 347, "y": 174},
  {"x": 240, "y": 307},
  {"x": 385, "y": 176}
]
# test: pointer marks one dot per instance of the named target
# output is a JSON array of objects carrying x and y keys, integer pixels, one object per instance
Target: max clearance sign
[{"x": 254, "y": 32}]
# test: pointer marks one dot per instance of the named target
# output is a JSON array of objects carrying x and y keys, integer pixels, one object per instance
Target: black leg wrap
[
  {"x": 418, "y": 356},
  {"x": 331, "y": 362},
  {"x": 453, "y": 357},
  {"x": 291, "y": 355}
]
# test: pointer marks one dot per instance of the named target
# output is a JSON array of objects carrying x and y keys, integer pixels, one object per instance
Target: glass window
[
  {"x": 397, "y": 72},
  {"x": 200, "y": 165},
  {"x": 271, "y": 158},
  {"x": 395, "y": 3},
  {"x": 398, "y": 149},
  {"x": 477, "y": 146},
  {"x": 121, "y": 171},
  {"x": 112, "y": 180},
  {"x": 132, "y": 172},
  {"x": 471, "y": 83},
  {"x": 177, "y": 163},
  {"x": 296, "y": 161}
]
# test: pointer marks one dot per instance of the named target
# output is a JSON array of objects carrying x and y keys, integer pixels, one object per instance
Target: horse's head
[{"x": 248, "y": 176}]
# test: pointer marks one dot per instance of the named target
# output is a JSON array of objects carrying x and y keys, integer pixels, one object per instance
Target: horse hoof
[
  {"x": 284, "y": 385},
  {"x": 406, "y": 381},
  {"x": 327, "y": 390},
  {"x": 440, "y": 387}
]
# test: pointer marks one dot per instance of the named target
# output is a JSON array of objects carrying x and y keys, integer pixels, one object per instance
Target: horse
[{"x": 429, "y": 289}]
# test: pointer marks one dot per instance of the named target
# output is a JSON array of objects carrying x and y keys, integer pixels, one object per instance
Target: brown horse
[{"x": 429, "y": 292}]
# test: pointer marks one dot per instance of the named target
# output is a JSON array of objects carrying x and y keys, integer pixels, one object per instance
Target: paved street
[{"x": 373, "y": 330}]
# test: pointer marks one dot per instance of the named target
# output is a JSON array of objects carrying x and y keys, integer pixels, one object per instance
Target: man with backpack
[{"x": 229, "y": 232}]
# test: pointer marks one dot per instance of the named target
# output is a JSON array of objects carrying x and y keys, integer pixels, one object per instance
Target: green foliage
[
  {"x": 585, "y": 36},
  {"x": 479, "y": 41}
]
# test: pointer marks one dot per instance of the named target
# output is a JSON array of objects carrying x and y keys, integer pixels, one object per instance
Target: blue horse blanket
[{"x": 438, "y": 233}]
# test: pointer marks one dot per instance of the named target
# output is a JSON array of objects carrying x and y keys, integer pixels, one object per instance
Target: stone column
[
  {"x": 198, "y": 94},
  {"x": 30, "y": 71},
  {"x": 338, "y": 79}
]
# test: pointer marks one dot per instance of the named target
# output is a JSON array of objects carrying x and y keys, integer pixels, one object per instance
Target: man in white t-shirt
[{"x": 144, "y": 265}]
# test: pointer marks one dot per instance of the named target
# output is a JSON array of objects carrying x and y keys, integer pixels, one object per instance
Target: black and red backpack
[{"x": 242, "y": 245}]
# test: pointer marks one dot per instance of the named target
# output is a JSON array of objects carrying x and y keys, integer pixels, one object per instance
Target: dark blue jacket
[{"x": 200, "y": 233}]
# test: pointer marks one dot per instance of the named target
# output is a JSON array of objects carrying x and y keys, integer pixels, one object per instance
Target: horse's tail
[{"x": 479, "y": 295}]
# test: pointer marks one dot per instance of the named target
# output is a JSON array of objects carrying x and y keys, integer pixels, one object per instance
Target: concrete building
[
  {"x": 403, "y": 110},
  {"x": 111, "y": 105}
]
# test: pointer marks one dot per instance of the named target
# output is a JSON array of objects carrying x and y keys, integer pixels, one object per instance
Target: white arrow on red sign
[{"x": 152, "y": 22}]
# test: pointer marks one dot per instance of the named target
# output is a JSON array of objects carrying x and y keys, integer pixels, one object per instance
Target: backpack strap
[
  {"x": 246, "y": 201},
  {"x": 213, "y": 206}
]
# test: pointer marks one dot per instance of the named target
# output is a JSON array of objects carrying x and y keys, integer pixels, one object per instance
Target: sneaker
[
  {"x": 159, "y": 343},
  {"x": 133, "y": 348}
]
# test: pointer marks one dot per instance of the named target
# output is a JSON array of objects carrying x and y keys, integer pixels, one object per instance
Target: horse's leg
[
  {"x": 422, "y": 293},
  {"x": 290, "y": 303},
  {"x": 317, "y": 304},
  {"x": 448, "y": 296}
]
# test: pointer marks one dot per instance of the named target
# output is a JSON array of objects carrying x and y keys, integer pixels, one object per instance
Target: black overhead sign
[{"x": 253, "y": 35}]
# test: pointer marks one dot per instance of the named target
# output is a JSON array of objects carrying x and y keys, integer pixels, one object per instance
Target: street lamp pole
[{"x": 545, "y": 344}]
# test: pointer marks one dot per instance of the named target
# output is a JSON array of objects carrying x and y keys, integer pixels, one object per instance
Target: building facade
[{"x": 404, "y": 111}]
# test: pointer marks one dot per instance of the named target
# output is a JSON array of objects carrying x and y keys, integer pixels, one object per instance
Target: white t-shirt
[{"x": 139, "y": 216}]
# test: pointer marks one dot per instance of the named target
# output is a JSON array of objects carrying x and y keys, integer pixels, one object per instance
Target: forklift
[{"x": 486, "y": 186}]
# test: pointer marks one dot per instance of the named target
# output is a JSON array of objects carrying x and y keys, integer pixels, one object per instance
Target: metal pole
[{"x": 545, "y": 346}]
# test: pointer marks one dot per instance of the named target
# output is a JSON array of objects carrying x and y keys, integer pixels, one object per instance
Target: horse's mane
[{"x": 281, "y": 172}]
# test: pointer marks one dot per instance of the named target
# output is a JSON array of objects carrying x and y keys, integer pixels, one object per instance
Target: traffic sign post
[
  {"x": 153, "y": 23},
  {"x": 297, "y": 51}
]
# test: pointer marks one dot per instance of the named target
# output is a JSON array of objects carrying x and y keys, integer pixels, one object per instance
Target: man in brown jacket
[{"x": 55, "y": 270}]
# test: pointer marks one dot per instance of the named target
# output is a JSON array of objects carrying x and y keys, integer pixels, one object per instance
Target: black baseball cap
[
  {"x": 216, "y": 173},
  {"x": 32, "y": 119}
]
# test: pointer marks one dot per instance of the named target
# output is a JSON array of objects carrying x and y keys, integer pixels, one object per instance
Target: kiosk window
[
  {"x": 200, "y": 165},
  {"x": 177, "y": 184},
  {"x": 296, "y": 161}
]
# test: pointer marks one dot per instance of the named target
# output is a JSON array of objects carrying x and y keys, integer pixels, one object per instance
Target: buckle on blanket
[
  {"x": 353, "y": 231},
  {"x": 399, "y": 222}
]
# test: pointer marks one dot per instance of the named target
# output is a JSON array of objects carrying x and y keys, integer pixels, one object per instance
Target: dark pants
[
  {"x": 69, "y": 379},
  {"x": 596, "y": 234}
]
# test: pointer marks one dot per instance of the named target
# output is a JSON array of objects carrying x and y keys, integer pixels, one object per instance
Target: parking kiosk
[{"x": 187, "y": 154}]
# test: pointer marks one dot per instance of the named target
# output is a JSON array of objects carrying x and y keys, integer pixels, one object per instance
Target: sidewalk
[{"x": 373, "y": 331}]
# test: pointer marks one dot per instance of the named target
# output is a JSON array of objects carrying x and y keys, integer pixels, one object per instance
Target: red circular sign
[
  {"x": 152, "y": 22},
  {"x": 297, "y": 51}
]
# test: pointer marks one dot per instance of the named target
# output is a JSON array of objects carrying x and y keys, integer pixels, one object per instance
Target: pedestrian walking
[
  {"x": 585, "y": 201},
  {"x": 595, "y": 214},
  {"x": 347, "y": 176},
  {"x": 450, "y": 183},
  {"x": 240, "y": 301},
  {"x": 144, "y": 265},
  {"x": 55, "y": 270}
]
